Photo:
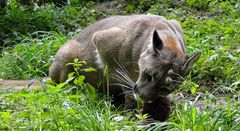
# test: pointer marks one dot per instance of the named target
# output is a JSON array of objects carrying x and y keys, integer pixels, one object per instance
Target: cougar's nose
[{"x": 135, "y": 87}]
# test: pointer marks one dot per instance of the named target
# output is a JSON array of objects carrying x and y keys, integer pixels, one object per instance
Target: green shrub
[
  {"x": 19, "y": 21},
  {"x": 199, "y": 4},
  {"x": 62, "y": 107},
  {"x": 205, "y": 113},
  {"x": 32, "y": 57}
]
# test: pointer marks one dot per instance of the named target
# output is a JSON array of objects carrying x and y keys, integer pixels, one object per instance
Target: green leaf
[
  {"x": 194, "y": 88},
  {"x": 25, "y": 113},
  {"x": 194, "y": 115},
  {"x": 213, "y": 99},
  {"x": 59, "y": 86},
  {"x": 75, "y": 60},
  {"x": 71, "y": 74},
  {"x": 6, "y": 115},
  {"x": 91, "y": 91},
  {"x": 79, "y": 81},
  {"x": 90, "y": 69},
  {"x": 75, "y": 96},
  {"x": 69, "y": 79},
  {"x": 23, "y": 95}
]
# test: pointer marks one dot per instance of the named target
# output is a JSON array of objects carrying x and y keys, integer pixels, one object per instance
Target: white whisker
[
  {"x": 125, "y": 76},
  {"x": 122, "y": 85},
  {"x": 177, "y": 81},
  {"x": 178, "y": 75},
  {"x": 124, "y": 72},
  {"x": 127, "y": 93},
  {"x": 118, "y": 78},
  {"x": 137, "y": 71},
  {"x": 132, "y": 62},
  {"x": 122, "y": 68}
]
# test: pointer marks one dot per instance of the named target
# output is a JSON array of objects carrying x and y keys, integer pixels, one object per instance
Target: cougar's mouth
[
  {"x": 164, "y": 92},
  {"x": 137, "y": 97}
]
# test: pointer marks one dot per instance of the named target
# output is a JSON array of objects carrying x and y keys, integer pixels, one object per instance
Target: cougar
[{"x": 145, "y": 55}]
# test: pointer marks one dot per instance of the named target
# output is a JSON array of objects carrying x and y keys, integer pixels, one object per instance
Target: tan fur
[
  {"x": 128, "y": 41},
  {"x": 171, "y": 44}
]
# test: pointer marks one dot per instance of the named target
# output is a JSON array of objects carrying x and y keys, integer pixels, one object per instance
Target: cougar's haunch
[{"x": 145, "y": 55}]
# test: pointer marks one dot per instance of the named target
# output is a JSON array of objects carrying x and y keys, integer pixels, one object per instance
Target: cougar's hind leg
[
  {"x": 59, "y": 70},
  {"x": 54, "y": 72}
]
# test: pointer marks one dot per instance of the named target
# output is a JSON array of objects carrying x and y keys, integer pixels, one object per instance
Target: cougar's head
[{"x": 162, "y": 67}]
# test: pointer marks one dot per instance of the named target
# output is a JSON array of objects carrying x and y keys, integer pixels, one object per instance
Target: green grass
[
  {"x": 32, "y": 57},
  {"x": 57, "y": 107},
  {"x": 208, "y": 100}
]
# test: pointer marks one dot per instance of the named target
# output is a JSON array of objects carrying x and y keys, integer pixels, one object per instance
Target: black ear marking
[{"x": 157, "y": 42}]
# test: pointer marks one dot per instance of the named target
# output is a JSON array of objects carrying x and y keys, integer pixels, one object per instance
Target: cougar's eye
[{"x": 148, "y": 77}]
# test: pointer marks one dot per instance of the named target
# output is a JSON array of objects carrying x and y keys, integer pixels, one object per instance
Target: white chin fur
[{"x": 149, "y": 102}]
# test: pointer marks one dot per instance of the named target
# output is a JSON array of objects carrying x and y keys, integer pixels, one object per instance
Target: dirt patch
[
  {"x": 18, "y": 84},
  {"x": 111, "y": 7}
]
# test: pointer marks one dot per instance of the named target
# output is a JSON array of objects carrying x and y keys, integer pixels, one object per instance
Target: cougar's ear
[
  {"x": 189, "y": 63},
  {"x": 157, "y": 42}
]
